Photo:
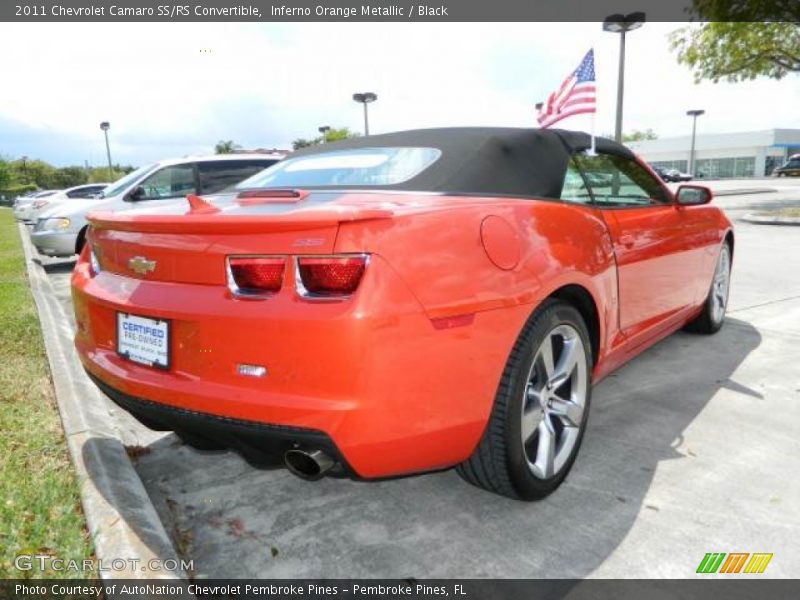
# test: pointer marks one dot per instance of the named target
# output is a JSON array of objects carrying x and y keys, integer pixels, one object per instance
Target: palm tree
[{"x": 226, "y": 147}]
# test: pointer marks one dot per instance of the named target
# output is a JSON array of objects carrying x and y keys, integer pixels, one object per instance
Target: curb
[
  {"x": 745, "y": 191},
  {"x": 767, "y": 220},
  {"x": 120, "y": 516}
]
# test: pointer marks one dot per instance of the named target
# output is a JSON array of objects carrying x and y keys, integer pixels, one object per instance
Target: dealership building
[{"x": 746, "y": 154}]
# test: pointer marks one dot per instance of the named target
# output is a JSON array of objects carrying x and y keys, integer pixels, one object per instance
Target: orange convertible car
[{"x": 401, "y": 303}]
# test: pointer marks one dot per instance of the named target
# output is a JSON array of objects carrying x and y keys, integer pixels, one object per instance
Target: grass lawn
[{"x": 40, "y": 511}]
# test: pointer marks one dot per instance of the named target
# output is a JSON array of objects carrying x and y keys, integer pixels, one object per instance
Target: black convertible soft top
[{"x": 485, "y": 160}]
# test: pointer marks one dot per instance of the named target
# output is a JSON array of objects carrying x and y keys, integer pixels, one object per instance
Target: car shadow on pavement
[
  {"x": 237, "y": 521},
  {"x": 51, "y": 268}
]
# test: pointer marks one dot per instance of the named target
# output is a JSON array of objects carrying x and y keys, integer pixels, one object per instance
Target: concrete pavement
[{"x": 693, "y": 447}]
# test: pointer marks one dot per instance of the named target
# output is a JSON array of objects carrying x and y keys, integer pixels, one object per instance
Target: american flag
[{"x": 575, "y": 96}]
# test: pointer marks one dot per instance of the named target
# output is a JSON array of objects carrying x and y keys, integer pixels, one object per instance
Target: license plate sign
[{"x": 143, "y": 340}]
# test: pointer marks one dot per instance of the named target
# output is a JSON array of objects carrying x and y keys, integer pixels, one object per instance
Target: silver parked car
[
  {"x": 23, "y": 205},
  {"x": 78, "y": 192},
  {"x": 61, "y": 230}
]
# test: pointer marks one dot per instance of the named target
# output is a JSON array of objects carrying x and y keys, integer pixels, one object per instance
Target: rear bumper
[
  {"x": 260, "y": 442},
  {"x": 52, "y": 243},
  {"x": 393, "y": 393},
  {"x": 22, "y": 214}
]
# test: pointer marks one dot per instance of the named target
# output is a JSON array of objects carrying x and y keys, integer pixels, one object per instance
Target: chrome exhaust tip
[{"x": 310, "y": 465}]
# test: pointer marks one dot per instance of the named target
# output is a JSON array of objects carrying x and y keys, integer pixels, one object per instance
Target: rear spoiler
[
  {"x": 220, "y": 223},
  {"x": 204, "y": 217}
]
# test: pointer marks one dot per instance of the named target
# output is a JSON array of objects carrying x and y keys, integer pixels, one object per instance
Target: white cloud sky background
[{"x": 264, "y": 85}]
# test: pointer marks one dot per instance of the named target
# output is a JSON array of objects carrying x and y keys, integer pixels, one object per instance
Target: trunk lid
[{"x": 189, "y": 242}]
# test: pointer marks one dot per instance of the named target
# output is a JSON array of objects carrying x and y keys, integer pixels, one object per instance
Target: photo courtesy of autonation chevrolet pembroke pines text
[{"x": 397, "y": 299}]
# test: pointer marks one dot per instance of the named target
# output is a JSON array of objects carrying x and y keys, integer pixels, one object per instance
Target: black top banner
[{"x": 396, "y": 10}]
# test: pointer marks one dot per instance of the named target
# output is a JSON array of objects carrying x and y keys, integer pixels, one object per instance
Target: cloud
[{"x": 173, "y": 89}]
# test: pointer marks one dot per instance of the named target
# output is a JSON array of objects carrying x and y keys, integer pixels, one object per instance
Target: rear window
[
  {"x": 86, "y": 191},
  {"x": 344, "y": 168}
]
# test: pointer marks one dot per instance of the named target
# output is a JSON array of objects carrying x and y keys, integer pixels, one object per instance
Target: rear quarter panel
[{"x": 440, "y": 255}]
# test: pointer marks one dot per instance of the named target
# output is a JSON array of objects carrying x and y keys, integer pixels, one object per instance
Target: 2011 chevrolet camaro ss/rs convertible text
[{"x": 401, "y": 303}]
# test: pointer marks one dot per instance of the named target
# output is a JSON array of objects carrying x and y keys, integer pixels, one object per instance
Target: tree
[
  {"x": 304, "y": 143},
  {"x": 638, "y": 136},
  {"x": 33, "y": 171},
  {"x": 40, "y": 174},
  {"x": 226, "y": 147},
  {"x": 331, "y": 135},
  {"x": 738, "y": 51},
  {"x": 101, "y": 174},
  {"x": 5, "y": 174},
  {"x": 68, "y": 176},
  {"x": 342, "y": 133},
  {"x": 633, "y": 136}
]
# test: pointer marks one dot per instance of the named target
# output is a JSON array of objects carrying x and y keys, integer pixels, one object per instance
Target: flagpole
[{"x": 594, "y": 114}]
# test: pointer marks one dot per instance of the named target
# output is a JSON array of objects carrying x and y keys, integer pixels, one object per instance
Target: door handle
[{"x": 627, "y": 240}]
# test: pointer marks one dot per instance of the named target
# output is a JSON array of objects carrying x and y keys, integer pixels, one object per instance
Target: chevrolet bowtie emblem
[{"x": 142, "y": 266}]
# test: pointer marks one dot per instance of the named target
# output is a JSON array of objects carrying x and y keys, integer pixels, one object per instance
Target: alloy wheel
[
  {"x": 721, "y": 285},
  {"x": 554, "y": 401}
]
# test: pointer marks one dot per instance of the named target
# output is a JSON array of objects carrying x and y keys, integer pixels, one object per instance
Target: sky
[{"x": 172, "y": 89}]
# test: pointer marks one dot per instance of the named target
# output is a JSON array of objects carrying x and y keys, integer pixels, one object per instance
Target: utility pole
[
  {"x": 105, "y": 126},
  {"x": 622, "y": 24},
  {"x": 365, "y": 98},
  {"x": 694, "y": 114}
]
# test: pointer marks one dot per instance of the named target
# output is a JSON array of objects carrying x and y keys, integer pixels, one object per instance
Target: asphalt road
[{"x": 693, "y": 447}]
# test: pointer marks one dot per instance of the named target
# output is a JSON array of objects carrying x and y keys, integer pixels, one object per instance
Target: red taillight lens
[
  {"x": 257, "y": 274},
  {"x": 332, "y": 276}
]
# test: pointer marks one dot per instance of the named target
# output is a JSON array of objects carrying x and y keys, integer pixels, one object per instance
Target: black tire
[
  {"x": 710, "y": 321},
  {"x": 81, "y": 241},
  {"x": 499, "y": 463}
]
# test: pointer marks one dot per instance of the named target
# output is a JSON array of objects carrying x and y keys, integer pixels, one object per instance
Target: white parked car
[
  {"x": 23, "y": 205},
  {"x": 61, "y": 230},
  {"x": 25, "y": 198},
  {"x": 78, "y": 192}
]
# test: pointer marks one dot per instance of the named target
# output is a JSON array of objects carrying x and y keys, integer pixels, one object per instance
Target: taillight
[
  {"x": 255, "y": 275},
  {"x": 40, "y": 203},
  {"x": 94, "y": 262},
  {"x": 329, "y": 276}
]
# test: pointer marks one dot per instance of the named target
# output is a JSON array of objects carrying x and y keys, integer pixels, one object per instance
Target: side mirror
[
  {"x": 693, "y": 195},
  {"x": 135, "y": 194}
]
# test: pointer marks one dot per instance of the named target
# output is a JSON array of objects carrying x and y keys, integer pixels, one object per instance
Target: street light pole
[
  {"x": 694, "y": 114},
  {"x": 324, "y": 129},
  {"x": 105, "y": 126},
  {"x": 365, "y": 98},
  {"x": 620, "y": 88},
  {"x": 622, "y": 24}
]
